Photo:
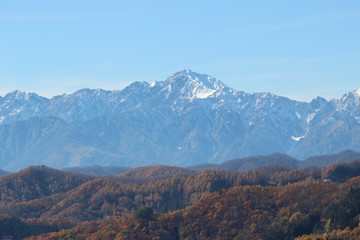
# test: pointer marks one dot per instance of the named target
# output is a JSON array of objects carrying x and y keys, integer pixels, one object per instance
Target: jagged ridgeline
[{"x": 188, "y": 119}]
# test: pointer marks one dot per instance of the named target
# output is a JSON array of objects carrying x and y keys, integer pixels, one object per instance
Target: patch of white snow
[
  {"x": 357, "y": 92},
  {"x": 204, "y": 94},
  {"x": 16, "y": 111},
  {"x": 310, "y": 117},
  {"x": 297, "y": 138},
  {"x": 27, "y": 96}
]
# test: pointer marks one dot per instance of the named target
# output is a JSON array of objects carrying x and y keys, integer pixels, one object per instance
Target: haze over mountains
[{"x": 188, "y": 119}]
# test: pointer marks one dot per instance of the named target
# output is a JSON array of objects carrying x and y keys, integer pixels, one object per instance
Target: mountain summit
[
  {"x": 190, "y": 85},
  {"x": 190, "y": 118},
  {"x": 195, "y": 82}
]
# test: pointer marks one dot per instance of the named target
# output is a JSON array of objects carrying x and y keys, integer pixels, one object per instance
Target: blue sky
[{"x": 298, "y": 49}]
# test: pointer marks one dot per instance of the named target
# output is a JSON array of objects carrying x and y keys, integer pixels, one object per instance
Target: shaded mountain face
[{"x": 188, "y": 119}]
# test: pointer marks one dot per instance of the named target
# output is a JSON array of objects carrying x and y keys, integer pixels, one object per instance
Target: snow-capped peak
[
  {"x": 357, "y": 92},
  {"x": 196, "y": 78},
  {"x": 193, "y": 85},
  {"x": 352, "y": 95},
  {"x": 349, "y": 101},
  {"x": 20, "y": 95},
  {"x": 17, "y": 94}
]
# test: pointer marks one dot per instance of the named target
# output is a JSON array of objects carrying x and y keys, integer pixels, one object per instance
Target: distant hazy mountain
[
  {"x": 249, "y": 163},
  {"x": 188, "y": 119},
  {"x": 97, "y": 170},
  {"x": 278, "y": 159}
]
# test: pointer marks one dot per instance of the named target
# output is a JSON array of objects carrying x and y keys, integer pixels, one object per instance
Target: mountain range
[{"x": 188, "y": 119}]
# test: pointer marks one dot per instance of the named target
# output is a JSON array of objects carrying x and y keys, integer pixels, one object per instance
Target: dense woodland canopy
[{"x": 273, "y": 202}]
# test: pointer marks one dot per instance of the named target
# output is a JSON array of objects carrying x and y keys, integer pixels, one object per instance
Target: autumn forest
[{"x": 163, "y": 202}]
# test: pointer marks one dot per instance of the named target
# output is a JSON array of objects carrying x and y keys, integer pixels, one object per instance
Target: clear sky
[{"x": 299, "y": 49}]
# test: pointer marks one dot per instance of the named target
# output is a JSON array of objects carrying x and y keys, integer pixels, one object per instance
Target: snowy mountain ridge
[{"x": 189, "y": 118}]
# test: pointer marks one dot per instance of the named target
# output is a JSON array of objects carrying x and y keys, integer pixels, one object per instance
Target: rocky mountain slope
[{"x": 188, "y": 119}]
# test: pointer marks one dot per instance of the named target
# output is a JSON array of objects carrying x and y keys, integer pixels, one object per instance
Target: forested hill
[
  {"x": 36, "y": 182},
  {"x": 273, "y": 202}
]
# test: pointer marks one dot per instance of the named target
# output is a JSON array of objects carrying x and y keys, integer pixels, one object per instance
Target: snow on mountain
[
  {"x": 187, "y": 119},
  {"x": 357, "y": 92},
  {"x": 192, "y": 85},
  {"x": 349, "y": 104},
  {"x": 19, "y": 105}
]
